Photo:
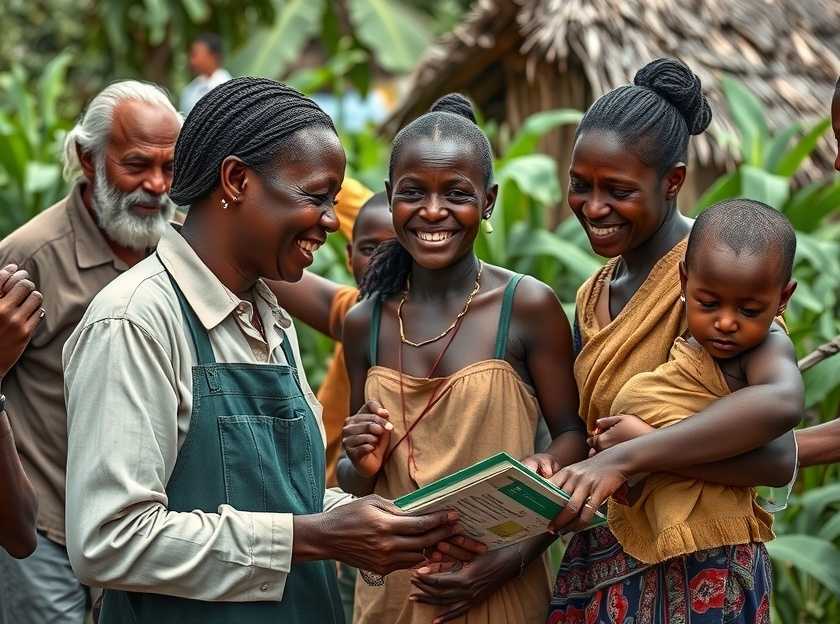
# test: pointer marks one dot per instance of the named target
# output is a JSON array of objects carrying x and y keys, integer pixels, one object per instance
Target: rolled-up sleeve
[{"x": 122, "y": 407}]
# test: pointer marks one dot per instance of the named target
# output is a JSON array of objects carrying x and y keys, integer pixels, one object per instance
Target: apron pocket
[{"x": 267, "y": 463}]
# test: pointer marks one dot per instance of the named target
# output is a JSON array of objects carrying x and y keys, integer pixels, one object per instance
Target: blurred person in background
[
  {"x": 119, "y": 158},
  {"x": 20, "y": 314},
  {"x": 206, "y": 63}
]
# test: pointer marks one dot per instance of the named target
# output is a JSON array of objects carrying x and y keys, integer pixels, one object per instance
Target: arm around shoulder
[{"x": 310, "y": 299}]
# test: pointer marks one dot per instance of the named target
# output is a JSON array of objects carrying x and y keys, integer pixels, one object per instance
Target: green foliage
[
  {"x": 31, "y": 132},
  {"x": 271, "y": 50},
  {"x": 806, "y": 557},
  {"x": 149, "y": 39},
  {"x": 392, "y": 35},
  {"x": 528, "y": 188},
  {"x": 397, "y": 35}
]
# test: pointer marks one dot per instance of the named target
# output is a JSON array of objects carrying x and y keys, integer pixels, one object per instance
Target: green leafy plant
[
  {"x": 391, "y": 34},
  {"x": 31, "y": 132},
  {"x": 770, "y": 161},
  {"x": 528, "y": 187}
]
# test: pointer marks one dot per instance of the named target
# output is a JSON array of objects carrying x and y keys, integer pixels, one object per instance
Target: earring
[
  {"x": 488, "y": 227},
  {"x": 224, "y": 204},
  {"x": 682, "y": 298},
  {"x": 236, "y": 198}
]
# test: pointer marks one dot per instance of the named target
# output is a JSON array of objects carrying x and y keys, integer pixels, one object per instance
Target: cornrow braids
[
  {"x": 387, "y": 272},
  {"x": 745, "y": 225},
  {"x": 655, "y": 115},
  {"x": 250, "y": 118}
]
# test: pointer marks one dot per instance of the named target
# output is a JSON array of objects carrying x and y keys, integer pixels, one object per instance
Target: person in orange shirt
[{"x": 323, "y": 304}]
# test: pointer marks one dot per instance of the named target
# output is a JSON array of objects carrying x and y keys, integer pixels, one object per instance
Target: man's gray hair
[{"x": 92, "y": 130}]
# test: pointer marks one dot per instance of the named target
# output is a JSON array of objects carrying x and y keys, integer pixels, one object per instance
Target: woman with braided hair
[
  {"x": 196, "y": 460},
  {"x": 455, "y": 363}
]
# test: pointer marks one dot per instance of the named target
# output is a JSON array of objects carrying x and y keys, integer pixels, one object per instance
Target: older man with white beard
[{"x": 120, "y": 158}]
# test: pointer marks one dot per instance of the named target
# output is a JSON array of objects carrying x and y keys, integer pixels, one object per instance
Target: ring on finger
[{"x": 589, "y": 504}]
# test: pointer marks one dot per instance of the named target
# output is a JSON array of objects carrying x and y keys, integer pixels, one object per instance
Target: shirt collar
[
  {"x": 211, "y": 300},
  {"x": 91, "y": 247}
]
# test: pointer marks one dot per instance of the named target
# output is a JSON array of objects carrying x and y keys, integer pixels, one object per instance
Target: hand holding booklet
[{"x": 499, "y": 501}]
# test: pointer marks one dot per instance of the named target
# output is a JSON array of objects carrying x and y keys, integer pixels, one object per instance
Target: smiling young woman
[{"x": 450, "y": 362}]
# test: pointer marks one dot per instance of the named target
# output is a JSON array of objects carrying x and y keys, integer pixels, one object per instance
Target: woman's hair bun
[
  {"x": 456, "y": 104},
  {"x": 672, "y": 80}
]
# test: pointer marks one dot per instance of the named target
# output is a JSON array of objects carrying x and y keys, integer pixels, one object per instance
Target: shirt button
[{"x": 264, "y": 587}]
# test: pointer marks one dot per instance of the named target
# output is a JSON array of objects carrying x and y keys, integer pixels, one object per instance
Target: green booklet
[{"x": 500, "y": 502}]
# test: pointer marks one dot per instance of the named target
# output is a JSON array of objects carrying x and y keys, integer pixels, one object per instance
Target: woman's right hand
[
  {"x": 372, "y": 534},
  {"x": 365, "y": 438}
]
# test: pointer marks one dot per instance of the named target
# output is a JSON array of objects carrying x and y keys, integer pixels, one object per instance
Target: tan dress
[{"x": 485, "y": 408}]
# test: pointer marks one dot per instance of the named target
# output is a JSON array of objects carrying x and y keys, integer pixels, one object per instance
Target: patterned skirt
[{"x": 598, "y": 583}]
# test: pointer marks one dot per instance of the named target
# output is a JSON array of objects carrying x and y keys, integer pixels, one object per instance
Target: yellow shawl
[{"x": 636, "y": 341}]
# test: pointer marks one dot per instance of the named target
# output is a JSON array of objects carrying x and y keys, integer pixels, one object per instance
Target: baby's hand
[
  {"x": 613, "y": 430},
  {"x": 365, "y": 438}
]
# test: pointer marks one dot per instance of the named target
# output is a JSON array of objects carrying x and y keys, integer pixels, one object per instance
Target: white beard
[{"x": 121, "y": 224}]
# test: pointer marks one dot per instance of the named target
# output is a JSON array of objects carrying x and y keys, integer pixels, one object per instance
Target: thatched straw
[{"x": 787, "y": 52}]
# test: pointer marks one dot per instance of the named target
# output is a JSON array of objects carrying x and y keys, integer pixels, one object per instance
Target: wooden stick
[{"x": 821, "y": 353}]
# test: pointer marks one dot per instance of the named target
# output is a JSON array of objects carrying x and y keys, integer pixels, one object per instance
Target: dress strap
[
  {"x": 375, "y": 322},
  {"x": 203, "y": 348},
  {"x": 288, "y": 353},
  {"x": 576, "y": 336},
  {"x": 504, "y": 317}
]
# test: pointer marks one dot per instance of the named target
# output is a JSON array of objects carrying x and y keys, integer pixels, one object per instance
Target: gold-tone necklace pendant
[{"x": 454, "y": 324}]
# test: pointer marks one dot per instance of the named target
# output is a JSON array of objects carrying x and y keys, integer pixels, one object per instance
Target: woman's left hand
[
  {"x": 589, "y": 483},
  {"x": 462, "y": 587}
]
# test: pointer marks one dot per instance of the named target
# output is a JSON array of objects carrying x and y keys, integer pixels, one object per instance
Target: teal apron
[{"x": 254, "y": 444}]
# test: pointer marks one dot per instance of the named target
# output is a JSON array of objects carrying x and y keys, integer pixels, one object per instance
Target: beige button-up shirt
[
  {"x": 69, "y": 261},
  {"x": 128, "y": 376}
]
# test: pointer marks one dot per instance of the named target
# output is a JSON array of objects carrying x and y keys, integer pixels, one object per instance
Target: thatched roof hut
[{"x": 517, "y": 57}]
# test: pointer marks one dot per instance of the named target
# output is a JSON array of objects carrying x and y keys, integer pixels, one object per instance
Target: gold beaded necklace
[{"x": 422, "y": 343}]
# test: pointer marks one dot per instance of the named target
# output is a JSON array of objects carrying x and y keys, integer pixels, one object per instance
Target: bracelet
[
  {"x": 2, "y": 402},
  {"x": 371, "y": 578}
]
